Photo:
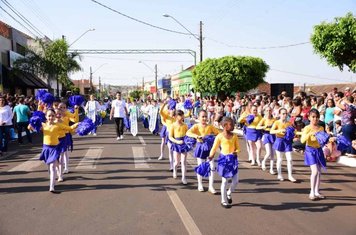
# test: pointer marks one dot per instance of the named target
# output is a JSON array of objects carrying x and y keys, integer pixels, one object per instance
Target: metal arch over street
[{"x": 137, "y": 51}]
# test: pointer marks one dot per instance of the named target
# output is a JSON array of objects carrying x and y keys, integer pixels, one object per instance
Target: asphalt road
[{"x": 119, "y": 187}]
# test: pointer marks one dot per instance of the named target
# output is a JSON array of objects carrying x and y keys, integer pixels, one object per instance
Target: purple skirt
[
  {"x": 164, "y": 132},
  {"x": 228, "y": 165},
  {"x": 282, "y": 145},
  {"x": 268, "y": 138},
  {"x": 314, "y": 156},
  {"x": 50, "y": 153},
  {"x": 62, "y": 144},
  {"x": 253, "y": 134},
  {"x": 202, "y": 150},
  {"x": 69, "y": 141},
  {"x": 180, "y": 148}
]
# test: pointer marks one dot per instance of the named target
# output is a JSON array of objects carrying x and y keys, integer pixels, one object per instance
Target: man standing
[
  {"x": 118, "y": 111},
  {"x": 92, "y": 108},
  {"x": 22, "y": 112}
]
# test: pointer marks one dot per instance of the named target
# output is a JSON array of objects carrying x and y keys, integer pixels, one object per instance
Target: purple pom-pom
[
  {"x": 190, "y": 142},
  {"x": 289, "y": 135},
  {"x": 85, "y": 127},
  {"x": 343, "y": 143},
  {"x": 250, "y": 118},
  {"x": 172, "y": 104},
  {"x": 36, "y": 123},
  {"x": 48, "y": 99},
  {"x": 203, "y": 169},
  {"x": 76, "y": 100},
  {"x": 188, "y": 104},
  {"x": 322, "y": 137},
  {"x": 39, "y": 114},
  {"x": 40, "y": 93}
]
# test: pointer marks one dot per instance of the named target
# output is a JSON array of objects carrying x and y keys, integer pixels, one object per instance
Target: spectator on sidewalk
[
  {"x": 21, "y": 114},
  {"x": 5, "y": 124}
]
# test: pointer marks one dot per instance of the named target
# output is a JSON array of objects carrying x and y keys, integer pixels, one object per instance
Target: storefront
[{"x": 164, "y": 87}]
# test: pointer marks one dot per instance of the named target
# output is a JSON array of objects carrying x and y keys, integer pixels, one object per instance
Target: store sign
[
  {"x": 152, "y": 89},
  {"x": 13, "y": 56}
]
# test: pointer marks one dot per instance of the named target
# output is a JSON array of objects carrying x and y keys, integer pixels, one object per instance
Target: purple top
[{"x": 348, "y": 115}]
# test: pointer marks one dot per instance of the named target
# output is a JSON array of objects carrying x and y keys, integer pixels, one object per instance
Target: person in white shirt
[
  {"x": 6, "y": 116},
  {"x": 118, "y": 112},
  {"x": 92, "y": 107}
]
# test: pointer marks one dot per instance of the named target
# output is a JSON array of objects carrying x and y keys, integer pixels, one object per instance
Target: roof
[{"x": 327, "y": 88}]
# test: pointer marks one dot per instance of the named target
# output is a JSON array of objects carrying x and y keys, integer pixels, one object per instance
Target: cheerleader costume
[
  {"x": 202, "y": 150},
  {"x": 268, "y": 140}
]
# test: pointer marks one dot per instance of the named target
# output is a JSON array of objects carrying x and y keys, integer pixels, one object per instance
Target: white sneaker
[
  {"x": 280, "y": 178},
  {"x": 272, "y": 172},
  {"x": 66, "y": 171},
  {"x": 200, "y": 188},
  {"x": 184, "y": 181},
  {"x": 94, "y": 134},
  {"x": 258, "y": 163},
  {"x": 160, "y": 158},
  {"x": 263, "y": 165},
  {"x": 60, "y": 179},
  {"x": 212, "y": 190},
  {"x": 174, "y": 175},
  {"x": 118, "y": 138},
  {"x": 121, "y": 137}
]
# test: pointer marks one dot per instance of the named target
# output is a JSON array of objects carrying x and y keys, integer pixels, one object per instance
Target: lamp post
[
  {"x": 81, "y": 36},
  {"x": 91, "y": 77},
  {"x": 156, "y": 75},
  {"x": 200, "y": 38}
]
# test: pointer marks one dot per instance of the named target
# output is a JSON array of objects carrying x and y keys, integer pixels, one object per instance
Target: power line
[
  {"x": 306, "y": 75},
  {"x": 139, "y": 21},
  {"x": 23, "y": 18},
  {"x": 35, "y": 10},
  {"x": 18, "y": 22},
  {"x": 258, "y": 48},
  {"x": 177, "y": 32}
]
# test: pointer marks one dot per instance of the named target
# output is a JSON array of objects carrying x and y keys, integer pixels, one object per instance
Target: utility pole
[
  {"x": 99, "y": 88},
  {"x": 91, "y": 81},
  {"x": 201, "y": 41},
  {"x": 156, "y": 74},
  {"x": 143, "y": 83}
]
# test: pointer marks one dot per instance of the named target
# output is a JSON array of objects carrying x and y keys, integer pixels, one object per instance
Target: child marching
[
  {"x": 177, "y": 132},
  {"x": 203, "y": 133},
  {"x": 228, "y": 162},
  {"x": 314, "y": 156},
  {"x": 283, "y": 143},
  {"x": 267, "y": 139}
]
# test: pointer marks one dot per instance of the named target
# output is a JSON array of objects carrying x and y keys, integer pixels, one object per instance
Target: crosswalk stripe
[
  {"x": 90, "y": 158},
  {"x": 28, "y": 165},
  {"x": 183, "y": 213},
  {"x": 139, "y": 158},
  {"x": 142, "y": 140}
]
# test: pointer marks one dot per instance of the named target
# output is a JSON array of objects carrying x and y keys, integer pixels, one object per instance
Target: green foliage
[
  {"x": 136, "y": 94},
  {"x": 229, "y": 74},
  {"x": 52, "y": 59},
  {"x": 336, "y": 42}
]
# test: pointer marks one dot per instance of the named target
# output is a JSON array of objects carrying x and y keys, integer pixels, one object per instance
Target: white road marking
[
  {"x": 142, "y": 140},
  {"x": 183, "y": 213},
  {"x": 28, "y": 165},
  {"x": 139, "y": 158},
  {"x": 90, "y": 158}
]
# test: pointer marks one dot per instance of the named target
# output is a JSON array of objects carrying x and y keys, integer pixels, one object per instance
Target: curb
[{"x": 347, "y": 161}]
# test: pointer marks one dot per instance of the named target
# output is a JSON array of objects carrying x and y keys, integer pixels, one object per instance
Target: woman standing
[
  {"x": 329, "y": 111},
  {"x": 5, "y": 124}
]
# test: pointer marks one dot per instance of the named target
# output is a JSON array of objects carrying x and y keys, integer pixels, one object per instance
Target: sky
[{"x": 230, "y": 27}]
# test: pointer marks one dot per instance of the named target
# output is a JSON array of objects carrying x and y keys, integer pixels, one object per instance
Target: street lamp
[
  {"x": 81, "y": 36},
  {"x": 91, "y": 76},
  {"x": 155, "y": 71},
  {"x": 200, "y": 38}
]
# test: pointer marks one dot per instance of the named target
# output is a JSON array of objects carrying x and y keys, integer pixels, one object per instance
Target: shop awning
[{"x": 21, "y": 79}]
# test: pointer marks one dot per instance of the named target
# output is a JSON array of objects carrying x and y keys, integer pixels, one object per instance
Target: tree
[
  {"x": 229, "y": 74},
  {"x": 51, "y": 59},
  {"x": 336, "y": 42},
  {"x": 136, "y": 94}
]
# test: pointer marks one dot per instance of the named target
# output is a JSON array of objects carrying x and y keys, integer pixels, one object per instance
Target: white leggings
[
  {"x": 170, "y": 155},
  {"x": 66, "y": 160},
  {"x": 224, "y": 192},
  {"x": 211, "y": 177},
  {"x": 269, "y": 155},
  {"x": 314, "y": 180},
  {"x": 182, "y": 158},
  {"x": 289, "y": 163},
  {"x": 255, "y": 149},
  {"x": 52, "y": 175}
]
